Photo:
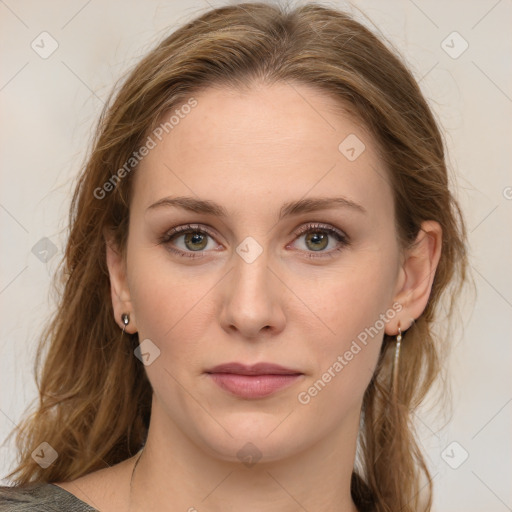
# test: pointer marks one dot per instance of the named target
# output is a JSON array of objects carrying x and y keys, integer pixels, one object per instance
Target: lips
[
  {"x": 255, "y": 369},
  {"x": 254, "y": 381}
]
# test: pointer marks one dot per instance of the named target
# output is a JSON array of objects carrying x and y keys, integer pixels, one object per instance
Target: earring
[
  {"x": 125, "y": 318},
  {"x": 395, "y": 362}
]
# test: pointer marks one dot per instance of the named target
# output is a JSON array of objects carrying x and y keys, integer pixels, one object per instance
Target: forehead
[{"x": 280, "y": 142}]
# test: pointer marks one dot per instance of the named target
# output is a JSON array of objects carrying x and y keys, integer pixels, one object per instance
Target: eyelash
[{"x": 343, "y": 239}]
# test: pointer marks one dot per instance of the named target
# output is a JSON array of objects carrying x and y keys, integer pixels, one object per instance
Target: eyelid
[
  {"x": 189, "y": 227},
  {"x": 321, "y": 227}
]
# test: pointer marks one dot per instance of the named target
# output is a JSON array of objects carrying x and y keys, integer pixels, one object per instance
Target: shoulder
[{"x": 41, "y": 497}]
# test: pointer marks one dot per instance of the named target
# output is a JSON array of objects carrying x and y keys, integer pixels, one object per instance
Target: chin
[{"x": 254, "y": 440}]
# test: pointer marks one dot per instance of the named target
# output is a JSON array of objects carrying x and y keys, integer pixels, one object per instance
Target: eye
[
  {"x": 195, "y": 240},
  {"x": 318, "y": 237}
]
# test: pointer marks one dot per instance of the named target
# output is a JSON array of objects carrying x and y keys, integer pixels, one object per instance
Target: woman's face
[{"x": 301, "y": 269}]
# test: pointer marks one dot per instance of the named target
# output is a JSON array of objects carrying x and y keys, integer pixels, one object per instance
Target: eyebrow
[{"x": 208, "y": 207}]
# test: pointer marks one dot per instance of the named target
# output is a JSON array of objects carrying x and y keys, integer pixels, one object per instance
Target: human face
[{"x": 292, "y": 298}]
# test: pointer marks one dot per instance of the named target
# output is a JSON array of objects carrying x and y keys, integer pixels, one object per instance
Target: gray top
[
  {"x": 40, "y": 497},
  {"x": 45, "y": 497}
]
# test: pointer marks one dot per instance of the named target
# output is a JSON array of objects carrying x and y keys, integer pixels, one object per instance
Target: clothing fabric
[
  {"x": 45, "y": 497},
  {"x": 40, "y": 497}
]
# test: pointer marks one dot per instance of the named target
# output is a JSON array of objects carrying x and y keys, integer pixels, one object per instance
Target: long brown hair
[{"x": 94, "y": 396}]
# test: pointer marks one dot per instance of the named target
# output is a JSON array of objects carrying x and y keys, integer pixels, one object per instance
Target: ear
[
  {"x": 120, "y": 292},
  {"x": 417, "y": 276}
]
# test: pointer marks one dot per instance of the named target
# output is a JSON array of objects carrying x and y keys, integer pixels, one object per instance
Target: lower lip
[{"x": 253, "y": 386}]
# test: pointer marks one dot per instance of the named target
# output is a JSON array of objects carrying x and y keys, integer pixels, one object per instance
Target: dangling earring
[
  {"x": 395, "y": 362},
  {"x": 125, "y": 318}
]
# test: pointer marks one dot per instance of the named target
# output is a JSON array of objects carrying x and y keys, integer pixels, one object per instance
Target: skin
[{"x": 251, "y": 152}]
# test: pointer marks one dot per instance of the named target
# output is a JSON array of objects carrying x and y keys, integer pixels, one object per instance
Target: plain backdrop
[{"x": 50, "y": 104}]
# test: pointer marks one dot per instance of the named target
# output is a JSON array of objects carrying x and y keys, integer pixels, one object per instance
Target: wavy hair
[{"x": 94, "y": 397}]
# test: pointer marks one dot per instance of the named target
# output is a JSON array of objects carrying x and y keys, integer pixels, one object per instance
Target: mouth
[{"x": 254, "y": 381}]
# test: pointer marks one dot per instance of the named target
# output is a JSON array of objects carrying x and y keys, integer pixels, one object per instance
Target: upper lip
[{"x": 255, "y": 369}]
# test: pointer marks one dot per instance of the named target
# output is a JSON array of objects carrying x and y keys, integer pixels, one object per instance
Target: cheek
[
  {"x": 172, "y": 306},
  {"x": 351, "y": 308},
  {"x": 345, "y": 301}
]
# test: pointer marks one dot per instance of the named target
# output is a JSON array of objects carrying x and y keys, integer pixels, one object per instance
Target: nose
[{"x": 252, "y": 299}]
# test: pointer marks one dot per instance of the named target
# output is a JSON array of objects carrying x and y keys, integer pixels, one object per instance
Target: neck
[{"x": 172, "y": 473}]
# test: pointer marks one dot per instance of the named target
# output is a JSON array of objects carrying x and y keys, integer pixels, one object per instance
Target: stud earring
[{"x": 125, "y": 318}]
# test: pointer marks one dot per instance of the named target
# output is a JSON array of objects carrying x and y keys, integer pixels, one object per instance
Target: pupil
[
  {"x": 195, "y": 238},
  {"x": 318, "y": 237}
]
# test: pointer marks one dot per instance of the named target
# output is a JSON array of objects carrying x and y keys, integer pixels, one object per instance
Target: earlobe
[
  {"x": 418, "y": 272},
  {"x": 120, "y": 293}
]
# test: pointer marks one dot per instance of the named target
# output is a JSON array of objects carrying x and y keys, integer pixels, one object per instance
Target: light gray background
[{"x": 50, "y": 106}]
